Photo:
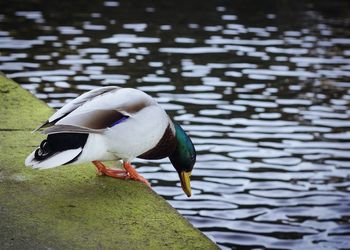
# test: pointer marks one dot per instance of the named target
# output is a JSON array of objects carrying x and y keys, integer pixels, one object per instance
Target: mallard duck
[{"x": 112, "y": 123}]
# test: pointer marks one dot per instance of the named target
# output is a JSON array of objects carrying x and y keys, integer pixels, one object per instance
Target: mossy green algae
[{"x": 70, "y": 207}]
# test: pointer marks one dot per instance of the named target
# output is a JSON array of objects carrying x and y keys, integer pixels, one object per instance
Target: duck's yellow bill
[{"x": 185, "y": 182}]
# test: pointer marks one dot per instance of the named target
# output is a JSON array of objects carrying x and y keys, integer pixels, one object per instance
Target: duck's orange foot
[
  {"x": 133, "y": 174},
  {"x": 128, "y": 173},
  {"x": 115, "y": 173}
]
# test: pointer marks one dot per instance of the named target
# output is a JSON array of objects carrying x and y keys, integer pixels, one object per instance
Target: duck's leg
[
  {"x": 115, "y": 173},
  {"x": 133, "y": 174},
  {"x": 128, "y": 173}
]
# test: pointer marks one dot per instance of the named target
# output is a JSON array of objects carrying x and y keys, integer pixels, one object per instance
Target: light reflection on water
[{"x": 262, "y": 87}]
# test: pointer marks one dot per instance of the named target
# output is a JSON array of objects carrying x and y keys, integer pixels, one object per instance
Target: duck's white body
[{"x": 121, "y": 123}]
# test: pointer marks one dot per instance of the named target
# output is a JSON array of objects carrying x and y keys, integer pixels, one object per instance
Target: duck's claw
[{"x": 133, "y": 174}]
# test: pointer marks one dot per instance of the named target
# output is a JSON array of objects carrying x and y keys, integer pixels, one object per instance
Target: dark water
[{"x": 262, "y": 87}]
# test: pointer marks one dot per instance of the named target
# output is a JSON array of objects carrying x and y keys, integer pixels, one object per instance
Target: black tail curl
[
  {"x": 43, "y": 151},
  {"x": 59, "y": 142}
]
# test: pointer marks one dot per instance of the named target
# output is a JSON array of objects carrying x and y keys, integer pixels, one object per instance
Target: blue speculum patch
[{"x": 120, "y": 120}]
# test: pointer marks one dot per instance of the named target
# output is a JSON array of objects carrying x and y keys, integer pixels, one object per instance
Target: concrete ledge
[{"x": 70, "y": 207}]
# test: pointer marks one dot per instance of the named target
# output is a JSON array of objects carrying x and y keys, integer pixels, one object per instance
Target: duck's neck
[{"x": 164, "y": 147}]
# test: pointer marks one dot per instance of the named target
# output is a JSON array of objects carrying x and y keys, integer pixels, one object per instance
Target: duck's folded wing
[
  {"x": 103, "y": 112},
  {"x": 74, "y": 104},
  {"x": 96, "y": 121}
]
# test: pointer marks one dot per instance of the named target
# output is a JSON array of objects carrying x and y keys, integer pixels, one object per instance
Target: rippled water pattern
[{"x": 262, "y": 87}]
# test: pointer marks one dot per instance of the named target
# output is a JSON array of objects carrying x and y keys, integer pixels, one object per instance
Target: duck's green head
[{"x": 183, "y": 158}]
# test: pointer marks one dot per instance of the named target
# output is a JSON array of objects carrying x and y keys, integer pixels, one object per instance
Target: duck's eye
[{"x": 193, "y": 157}]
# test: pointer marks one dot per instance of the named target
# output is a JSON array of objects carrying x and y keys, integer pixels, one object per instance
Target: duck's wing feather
[
  {"x": 70, "y": 129},
  {"x": 74, "y": 104},
  {"x": 103, "y": 112}
]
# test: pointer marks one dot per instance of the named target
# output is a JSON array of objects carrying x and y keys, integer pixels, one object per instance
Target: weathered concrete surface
[{"x": 70, "y": 207}]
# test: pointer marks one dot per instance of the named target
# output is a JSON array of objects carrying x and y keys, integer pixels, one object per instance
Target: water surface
[{"x": 262, "y": 87}]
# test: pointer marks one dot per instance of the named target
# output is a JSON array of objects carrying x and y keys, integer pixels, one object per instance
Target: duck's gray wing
[
  {"x": 103, "y": 112},
  {"x": 74, "y": 104}
]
